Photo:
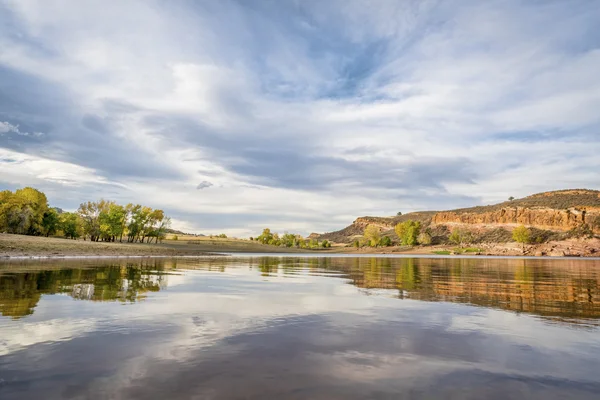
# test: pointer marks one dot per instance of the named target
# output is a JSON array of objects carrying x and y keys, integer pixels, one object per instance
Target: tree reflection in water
[{"x": 561, "y": 290}]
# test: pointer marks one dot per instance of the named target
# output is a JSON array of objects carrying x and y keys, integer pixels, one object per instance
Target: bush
[
  {"x": 175, "y": 237},
  {"x": 460, "y": 236},
  {"x": 385, "y": 241},
  {"x": 424, "y": 238},
  {"x": 582, "y": 231}
]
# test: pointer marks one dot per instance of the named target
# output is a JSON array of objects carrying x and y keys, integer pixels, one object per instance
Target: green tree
[
  {"x": 521, "y": 234},
  {"x": 111, "y": 222},
  {"x": 50, "y": 222},
  {"x": 23, "y": 211},
  {"x": 288, "y": 240},
  {"x": 408, "y": 232},
  {"x": 265, "y": 237},
  {"x": 71, "y": 225},
  {"x": 399, "y": 213},
  {"x": 372, "y": 235},
  {"x": 90, "y": 215}
]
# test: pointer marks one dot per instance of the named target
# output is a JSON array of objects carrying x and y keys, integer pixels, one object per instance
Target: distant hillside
[
  {"x": 176, "y": 232},
  {"x": 558, "y": 200},
  {"x": 384, "y": 223},
  {"x": 557, "y": 211}
]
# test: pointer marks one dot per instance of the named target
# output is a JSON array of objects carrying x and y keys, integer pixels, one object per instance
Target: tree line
[
  {"x": 289, "y": 240},
  {"x": 26, "y": 212},
  {"x": 408, "y": 232}
]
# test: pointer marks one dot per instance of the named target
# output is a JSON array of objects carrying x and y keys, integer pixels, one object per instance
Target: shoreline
[{"x": 21, "y": 247}]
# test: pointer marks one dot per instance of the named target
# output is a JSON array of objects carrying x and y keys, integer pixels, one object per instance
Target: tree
[
  {"x": 372, "y": 235},
  {"x": 288, "y": 240},
  {"x": 424, "y": 238},
  {"x": 71, "y": 225},
  {"x": 521, "y": 234},
  {"x": 399, "y": 213},
  {"x": 265, "y": 237},
  {"x": 23, "y": 211},
  {"x": 408, "y": 232},
  {"x": 90, "y": 214},
  {"x": 326, "y": 244},
  {"x": 111, "y": 222},
  {"x": 511, "y": 198},
  {"x": 50, "y": 222}
]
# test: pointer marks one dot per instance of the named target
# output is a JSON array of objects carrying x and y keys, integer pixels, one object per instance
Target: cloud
[
  {"x": 307, "y": 114},
  {"x": 204, "y": 185},
  {"x": 6, "y": 127}
]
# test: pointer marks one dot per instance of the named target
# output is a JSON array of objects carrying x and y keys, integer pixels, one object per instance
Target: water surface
[{"x": 300, "y": 328}]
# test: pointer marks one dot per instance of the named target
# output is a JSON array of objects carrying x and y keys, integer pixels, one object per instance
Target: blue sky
[{"x": 298, "y": 115}]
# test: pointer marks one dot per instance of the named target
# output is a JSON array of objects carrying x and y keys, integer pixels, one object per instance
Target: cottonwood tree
[
  {"x": 521, "y": 234},
  {"x": 372, "y": 235},
  {"x": 23, "y": 211},
  {"x": 408, "y": 232}
]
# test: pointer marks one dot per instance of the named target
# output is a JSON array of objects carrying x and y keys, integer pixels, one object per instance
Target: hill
[{"x": 558, "y": 214}]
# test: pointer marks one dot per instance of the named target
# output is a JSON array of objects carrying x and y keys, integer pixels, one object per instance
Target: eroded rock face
[
  {"x": 539, "y": 217},
  {"x": 380, "y": 222}
]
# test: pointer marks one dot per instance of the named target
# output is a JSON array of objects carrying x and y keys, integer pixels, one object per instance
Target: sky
[{"x": 233, "y": 116}]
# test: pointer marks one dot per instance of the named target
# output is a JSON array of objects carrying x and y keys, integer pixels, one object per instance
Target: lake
[{"x": 300, "y": 328}]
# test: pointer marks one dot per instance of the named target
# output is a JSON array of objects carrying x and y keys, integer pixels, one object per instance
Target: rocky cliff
[
  {"x": 559, "y": 211},
  {"x": 541, "y": 218}
]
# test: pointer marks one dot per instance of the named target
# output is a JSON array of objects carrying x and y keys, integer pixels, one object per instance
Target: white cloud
[
  {"x": 7, "y": 127},
  {"x": 228, "y": 95}
]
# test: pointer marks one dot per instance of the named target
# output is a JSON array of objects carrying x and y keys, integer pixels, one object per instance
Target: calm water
[{"x": 300, "y": 328}]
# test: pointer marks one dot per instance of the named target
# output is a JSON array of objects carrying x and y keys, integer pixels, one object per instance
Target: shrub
[
  {"x": 424, "y": 238},
  {"x": 385, "y": 241}
]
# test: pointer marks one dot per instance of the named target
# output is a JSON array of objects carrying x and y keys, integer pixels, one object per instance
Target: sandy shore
[
  {"x": 564, "y": 248},
  {"x": 20, "y": 246}
]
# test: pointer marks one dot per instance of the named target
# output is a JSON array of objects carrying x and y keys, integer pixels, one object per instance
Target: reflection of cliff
[
  {"x": 20, "y": 292},
  {"x": 532, "y": 286}
]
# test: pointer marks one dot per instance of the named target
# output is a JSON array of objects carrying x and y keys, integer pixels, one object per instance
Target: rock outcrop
[
  {"x": 558, "y": 211},
  {"x": 538, "y": 217}
]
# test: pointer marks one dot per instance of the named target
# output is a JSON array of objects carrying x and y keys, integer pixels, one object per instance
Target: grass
[
  {"x": 470, "y": 250},
  {"x": 458, "y": 250}
]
